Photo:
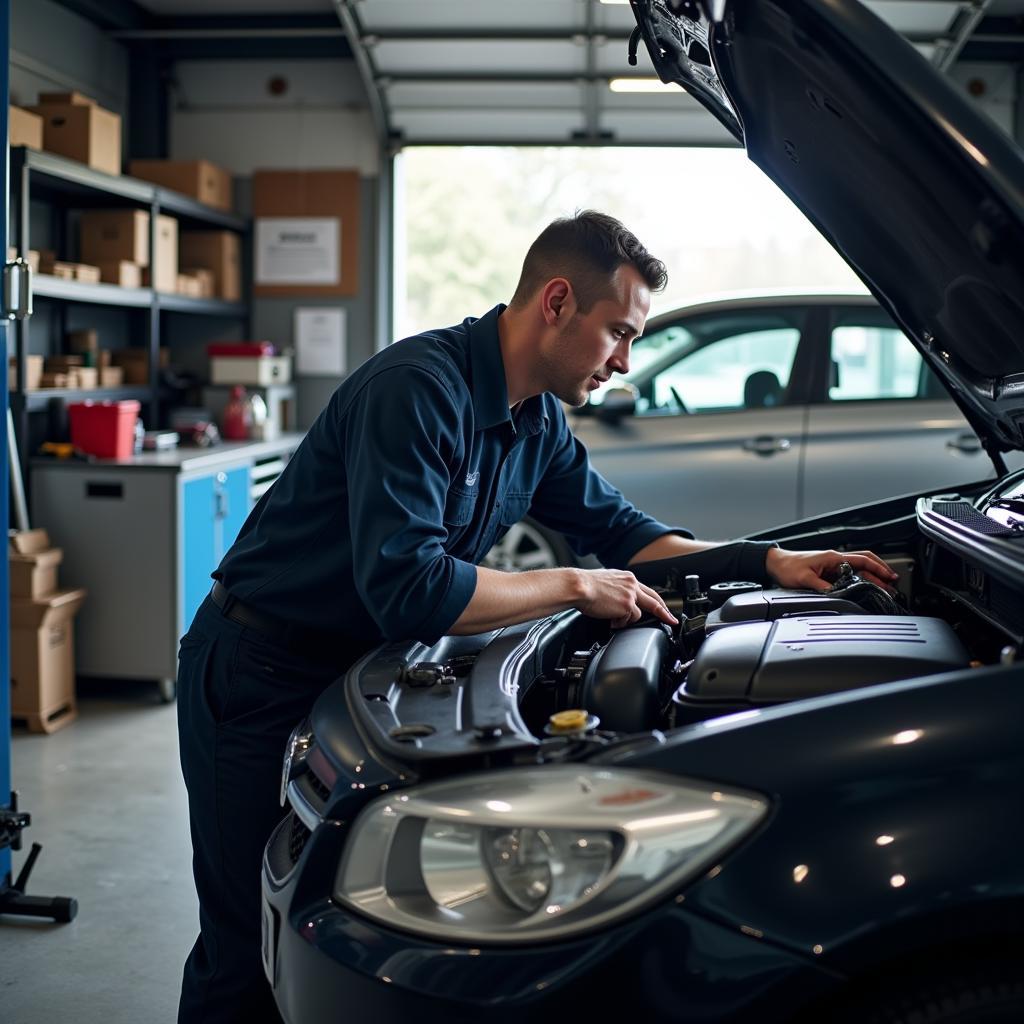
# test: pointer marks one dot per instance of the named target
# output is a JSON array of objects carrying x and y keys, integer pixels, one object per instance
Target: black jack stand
[{"x": 12, "y": 896}]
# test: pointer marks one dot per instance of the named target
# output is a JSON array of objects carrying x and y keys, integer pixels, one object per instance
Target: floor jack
[{"x": 12, "y": 894}]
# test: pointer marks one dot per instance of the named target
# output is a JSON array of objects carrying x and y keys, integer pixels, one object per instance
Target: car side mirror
[{"x": 618, "y": 402}]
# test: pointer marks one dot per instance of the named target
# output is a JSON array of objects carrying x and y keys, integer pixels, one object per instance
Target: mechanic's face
[{"x": 593, "y": 345}]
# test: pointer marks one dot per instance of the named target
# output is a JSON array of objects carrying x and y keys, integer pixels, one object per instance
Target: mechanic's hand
[
  {"x": 812, "y": 570},
  {"x": 616, "y": 594}
]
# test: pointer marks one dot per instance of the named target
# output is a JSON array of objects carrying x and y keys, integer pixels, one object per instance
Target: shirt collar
[{"x": 490, "y": 389}]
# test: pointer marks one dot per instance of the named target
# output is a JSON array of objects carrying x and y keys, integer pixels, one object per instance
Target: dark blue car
[{"x": 795, "y": 806}]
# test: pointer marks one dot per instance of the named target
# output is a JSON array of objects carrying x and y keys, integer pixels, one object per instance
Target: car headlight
[
  {"x": 295, "y": 753},
  {"x": 535, "y": 853}
]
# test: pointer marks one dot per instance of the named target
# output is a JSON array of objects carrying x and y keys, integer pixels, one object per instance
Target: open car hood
[{"x": 921, "y": 195}]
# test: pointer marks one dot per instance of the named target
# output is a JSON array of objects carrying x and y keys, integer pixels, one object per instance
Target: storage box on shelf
[
  {"x": 33, "y": 372},
  {"x": 104, "y": 429},
  {"x": 42, "y": 634},
  {"x": 24, "y": 128},
  {"x": 109, "y": 236},
  {"x": 76, "y": 127},
  {"x": 248, "y": 362},
  {"x": 200, "y": 179},
  {"x": 219, "y": 252}
]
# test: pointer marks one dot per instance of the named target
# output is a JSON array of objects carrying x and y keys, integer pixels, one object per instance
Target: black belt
[{"x": 286, "y": 634}]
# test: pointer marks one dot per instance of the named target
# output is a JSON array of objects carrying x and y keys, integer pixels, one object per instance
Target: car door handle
[
  {"x": 766, "y": 445},
  {"x": 967, "y": 443}
]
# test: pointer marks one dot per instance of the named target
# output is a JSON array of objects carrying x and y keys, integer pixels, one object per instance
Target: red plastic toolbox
[{"x": 106, "y": 429}]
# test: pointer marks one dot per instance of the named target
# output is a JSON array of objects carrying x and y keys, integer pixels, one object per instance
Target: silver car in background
[{"x": 744, "y": 413}]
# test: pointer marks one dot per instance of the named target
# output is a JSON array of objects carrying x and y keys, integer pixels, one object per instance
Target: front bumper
[{"x": 670, "y": 964}]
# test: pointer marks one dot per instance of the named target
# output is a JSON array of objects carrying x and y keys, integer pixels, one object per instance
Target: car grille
[
  {"x": 297, "y": 838},
  {"x": 318, "y": 786}
]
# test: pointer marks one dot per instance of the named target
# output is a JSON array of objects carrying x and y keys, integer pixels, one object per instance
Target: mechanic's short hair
[{"x": 586, "y": 249}]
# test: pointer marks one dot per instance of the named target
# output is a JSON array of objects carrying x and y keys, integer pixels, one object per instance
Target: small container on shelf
[
  {"x": 248, "y": 362},
  {"x": 104, "y": 429}
]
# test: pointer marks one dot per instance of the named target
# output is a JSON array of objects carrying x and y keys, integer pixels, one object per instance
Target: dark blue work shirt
[{"x": 409, "y": 475}]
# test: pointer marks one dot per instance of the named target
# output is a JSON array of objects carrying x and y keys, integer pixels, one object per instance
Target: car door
[
  {"x": 714, "y": 443},
  {"x": 884, "y": 425}
]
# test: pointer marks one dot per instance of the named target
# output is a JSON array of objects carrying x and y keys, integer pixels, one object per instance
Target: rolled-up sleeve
[
  {"x": 401, "y": 436},
  {"x": 592, "y": 515}
]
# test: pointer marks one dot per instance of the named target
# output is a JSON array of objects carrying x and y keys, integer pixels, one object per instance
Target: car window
[
  {"x": 874, "y": 362},
  {"x": 646, "y": 351},
  {"x": 743, "y": 370}
]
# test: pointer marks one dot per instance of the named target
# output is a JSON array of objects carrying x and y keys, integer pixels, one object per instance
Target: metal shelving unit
[{"x": 69, "y": 185}]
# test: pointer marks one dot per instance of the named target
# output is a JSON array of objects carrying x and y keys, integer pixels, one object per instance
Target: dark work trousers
[{"x": 239, "y": 697}]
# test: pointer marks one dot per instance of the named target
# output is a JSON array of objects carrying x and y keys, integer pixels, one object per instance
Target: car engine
[{"x": 560, "y": 686}]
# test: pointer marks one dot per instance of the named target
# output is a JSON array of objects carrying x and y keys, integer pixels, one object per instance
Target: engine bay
[{"x": 560, "y": 686}]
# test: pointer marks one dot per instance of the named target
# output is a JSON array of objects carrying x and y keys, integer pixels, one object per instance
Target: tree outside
[{"x": 719, "y": 224}]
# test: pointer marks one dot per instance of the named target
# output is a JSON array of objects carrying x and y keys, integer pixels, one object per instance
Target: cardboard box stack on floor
[{"x": 42, "y": 634}]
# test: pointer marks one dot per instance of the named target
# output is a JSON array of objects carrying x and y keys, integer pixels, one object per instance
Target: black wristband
[{"x": 739, "y": 560}]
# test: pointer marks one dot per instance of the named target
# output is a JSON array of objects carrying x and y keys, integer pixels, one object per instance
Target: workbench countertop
[{"x": 186, "y": 459}]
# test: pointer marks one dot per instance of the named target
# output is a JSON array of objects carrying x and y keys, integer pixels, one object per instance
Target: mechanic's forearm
[
  {"x": 669, "y": 545},
  {"x": 505, "y": 598}
]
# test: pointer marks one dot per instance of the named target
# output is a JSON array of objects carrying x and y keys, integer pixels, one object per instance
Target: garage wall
[
  {"x": 54, "y": 49},
  {"x": 994, "y": 89},
  {"x": 227, "y": 112}
]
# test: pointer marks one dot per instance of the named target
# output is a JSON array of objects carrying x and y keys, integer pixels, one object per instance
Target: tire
[{"x": 528, "y": 545}]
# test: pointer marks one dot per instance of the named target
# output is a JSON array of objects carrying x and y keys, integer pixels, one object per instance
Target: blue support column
[{"x": 5, "y": 617}]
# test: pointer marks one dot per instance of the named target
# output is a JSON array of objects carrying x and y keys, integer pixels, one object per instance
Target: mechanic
[{"x": 421, "y": 459}]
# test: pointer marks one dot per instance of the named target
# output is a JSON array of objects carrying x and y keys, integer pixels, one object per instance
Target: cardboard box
[
  {"x": 166, "y": 257},
  {"x": 53, "y": 380},
  {"x": 111, "y": 376},
  {"x": 203, "y": 280},
  {"x": 259, "y": 370},
  {"x": 85, "y": 378},
  {"x": 83, "y": 132},
  {"x": 135, "y": 363},
  {"x": 29, "y": 542},
  {"x": 87, "y": 272},
  {"x": 112, "y": 235},
  {"x": 121, "y": 272},
  {"x": 200, "y": 179},
  {"x": 65, "y": 271},
  {"x": 85, "y": 342},
  {"x": 34, "y": 575},
  {"x": 33, "y": 372},
  {"x": 219, "y": 252},
  {"x": 24, "y": 128},
  {"x": 189, "y": 285},
  {"x": 63, "y": 363},
  {"x": 43, "y": 659},
  {"x": 77, "y": 99}
]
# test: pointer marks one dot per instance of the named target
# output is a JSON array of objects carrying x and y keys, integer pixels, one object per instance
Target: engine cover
[{"x": 769, "y": 662}]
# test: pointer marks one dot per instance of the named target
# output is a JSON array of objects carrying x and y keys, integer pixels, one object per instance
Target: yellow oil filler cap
[{"x": 573, "y": 720}]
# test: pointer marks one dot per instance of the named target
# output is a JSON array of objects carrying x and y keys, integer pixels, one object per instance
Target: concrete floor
[{"x": 108, "y": 805}]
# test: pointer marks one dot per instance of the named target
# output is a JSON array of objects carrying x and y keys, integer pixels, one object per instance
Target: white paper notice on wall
[
  {"x": 298, "y": 250},
  {"x": 320, "y": 341}
]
